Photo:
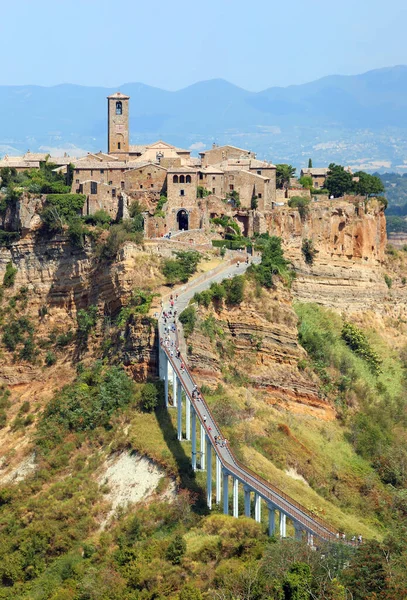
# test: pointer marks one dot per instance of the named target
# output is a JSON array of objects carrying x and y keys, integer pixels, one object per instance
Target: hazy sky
[{"x": 172, "y": 44}]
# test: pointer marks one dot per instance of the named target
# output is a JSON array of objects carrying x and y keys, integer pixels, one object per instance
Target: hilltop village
[{"x": 178, "y": 192}]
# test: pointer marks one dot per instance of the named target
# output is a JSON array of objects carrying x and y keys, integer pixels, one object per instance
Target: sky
[{"x": 173, "y": 44}]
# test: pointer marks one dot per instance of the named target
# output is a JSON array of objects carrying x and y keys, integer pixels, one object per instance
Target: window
[
  {"x": 110, "y": 182},
  {"x": 76, "y": 180},
  {"x": 141, "y": 186},
  {"x": 93, "y": 187},
  {"x": 258, "y": 172},
  {"x": 77, "y": 171},
  {"x": 119, "y": 108},
  {"x": 175, "y": 179},
  {"x": 181, "y": 179},
  {"x": 213, "y": 190},
  {"x": 231, "y": 187},
  {"x": 152, "y": 185},
  {"x": 148, "y": 174},
  {"x": 91, "y": 172},
  {"x": 259, "y": 195},
  {"x": 315, "y": 184},
  {"x": 182, "y": 192},
  {"x": 188, "y": 179},
  {"x": 118, "y": 145},
  {"x": 114, "y": 193},
  {"x": 122, "y": 185},
  {"x": 213, "y": 177},
  {"x": 200, "y": 175},
  {"x": 102, "y": 171}
]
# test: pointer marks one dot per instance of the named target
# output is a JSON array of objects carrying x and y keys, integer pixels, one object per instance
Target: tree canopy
[
  {"x": 284, "y": 173},
  {"x": 338, "y": 181}
]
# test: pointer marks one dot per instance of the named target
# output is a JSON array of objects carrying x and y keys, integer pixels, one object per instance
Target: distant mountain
[{"x": 359, "y": 120}]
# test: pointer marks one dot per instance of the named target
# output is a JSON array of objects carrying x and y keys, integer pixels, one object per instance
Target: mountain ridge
[{"x": 340, "y": 118}]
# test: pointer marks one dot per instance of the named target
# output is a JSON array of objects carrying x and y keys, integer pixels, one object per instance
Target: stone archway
[{"x": 183, "y": 220}]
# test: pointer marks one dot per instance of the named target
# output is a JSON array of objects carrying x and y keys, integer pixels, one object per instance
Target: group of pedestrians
[
  {"x": 354, "y": 539},
  {"x": 221, "y": 442}
]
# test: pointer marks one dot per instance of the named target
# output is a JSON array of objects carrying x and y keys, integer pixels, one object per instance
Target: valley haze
[{"x": 357, "y": 120}]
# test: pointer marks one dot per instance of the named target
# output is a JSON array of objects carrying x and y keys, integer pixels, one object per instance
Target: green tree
[
  {"x": 176, "y": 550},
  {"x": 272, "y": 263},
  {"x": 234, "y": 289},
  {"x": 301, "y": 203},
  {"x": 297, "y": 582},
  {"x": 338, "y": 181},
  {"x": 284, "y": 173},
  {"x": 149, "y": 397},
  {"x": 308, "y": 251},
  {"x": 190, "y": 592},
  {"x": 86, "y": 319},
  {"x": 9, "y": 275},
  {"x": 188, "y": 320},
  {"x": 310, "y": 163},
  {"x": 306, "y": 182},
  {"x": 368, "y": 185}
]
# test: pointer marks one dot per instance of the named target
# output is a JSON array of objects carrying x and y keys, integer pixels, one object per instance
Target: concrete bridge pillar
[
  {"x": 225, "y": 492},
  {"x": 208, "y": 472},
  {"x": 235, "y": 497},
  {"x": 187, "y": 417},
  {"x": 298, "y": 531},
  {"x": 193, "y": 438},
  {"x": 257, "y": 507},
  {"x": 174, "y": 388},
  {"x": 283, "y": 525},
  {"x": 179, "y": 411},
  {"x": 202, "y": 462},
  {"x": 310, "y": 539},
  {"x": 247, "y": 501},
  {"x": 218, "y": 480},
  {"x": 166, "y": 369},
  {"x": 272, "y": 519}
]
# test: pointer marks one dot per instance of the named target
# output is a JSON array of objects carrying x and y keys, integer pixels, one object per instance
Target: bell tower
[{"x": 118, "y": 124}]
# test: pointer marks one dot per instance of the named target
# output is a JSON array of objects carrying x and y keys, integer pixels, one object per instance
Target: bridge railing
[{"x": 269, "y": 491}]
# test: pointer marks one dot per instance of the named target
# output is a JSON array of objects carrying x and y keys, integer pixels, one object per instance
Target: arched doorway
[{"x": 183, "y": 220}]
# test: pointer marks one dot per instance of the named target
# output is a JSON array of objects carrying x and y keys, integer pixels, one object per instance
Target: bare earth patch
[
  {"x": 293, "y": 473},
  {"x": 131, "y": 478},
  {"x": 20, "y": 472}
]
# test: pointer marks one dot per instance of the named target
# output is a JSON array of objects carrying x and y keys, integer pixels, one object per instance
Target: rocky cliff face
[
  {"x": 349, "y": 240},
  {"x": 256, "y": 344}
]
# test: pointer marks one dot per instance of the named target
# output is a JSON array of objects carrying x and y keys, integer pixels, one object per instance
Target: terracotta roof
[
  {"x": 137, "y": 148},
  {"x": 182, "y": 170},
  {"x": 18, "y": 163},
  {"x": 227, "y": 146},
  {"x": 119, "y": 96},
  {"x": 316, "y": 171},
  {"x": 212, "y": 170}
]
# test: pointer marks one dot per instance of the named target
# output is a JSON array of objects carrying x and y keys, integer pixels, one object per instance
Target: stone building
[{"x": 177, "y": 192}]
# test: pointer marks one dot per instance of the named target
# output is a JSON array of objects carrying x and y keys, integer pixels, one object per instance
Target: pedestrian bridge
[{"x": 199, "y": 425}]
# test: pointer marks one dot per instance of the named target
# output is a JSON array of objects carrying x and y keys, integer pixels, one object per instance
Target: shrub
[
  {"x": 67, "y": 205},
  {"x": 100, "y": 218},
  {"x": 86, "y": 319},
  {"x": 301, "y": 203},
  {"x": 388, "y": 280},
  {"x": 50, "y": 359},
  {"x": 149, "y": 397},
  {"x": 234, "y": 289},
  {"x": 126, "y": 231},
  {"x": 272, "y": 263},
  {"x": 77, "y": 231},
  {"x": 176, "y": 550},
  {"x": 254, "y": 203},
  {"x": 188, "y": 320},
  {"x": 180, "y": 269},
  {"x": 87, "y": 403},
  {"x": 356, "y": 340},
  {"x": 308, "y": 251},
  {"x": 10, "y": 275}
]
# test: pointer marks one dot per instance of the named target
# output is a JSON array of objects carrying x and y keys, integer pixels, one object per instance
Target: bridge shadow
[{"x": 186, "y": 474}]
